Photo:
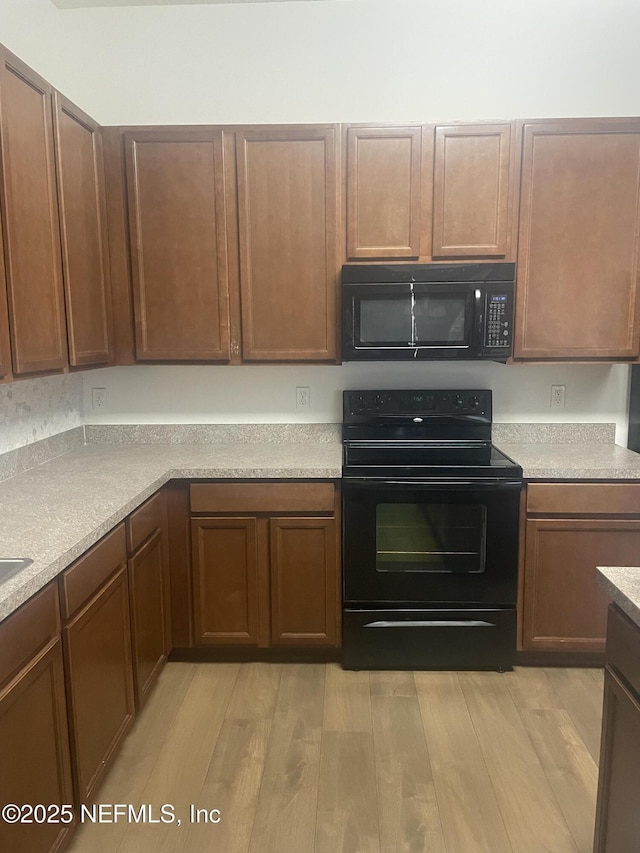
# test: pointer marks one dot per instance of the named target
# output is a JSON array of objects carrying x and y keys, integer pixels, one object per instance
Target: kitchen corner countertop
[
  {"x": 54, "y": 512},
  {"x": 622, "y": 584}
]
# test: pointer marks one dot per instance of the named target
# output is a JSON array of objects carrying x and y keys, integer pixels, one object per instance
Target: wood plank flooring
[{"x": 308, "y": 758}]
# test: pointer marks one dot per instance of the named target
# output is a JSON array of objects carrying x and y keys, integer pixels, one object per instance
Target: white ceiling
[{"x": 85, "y": 4}]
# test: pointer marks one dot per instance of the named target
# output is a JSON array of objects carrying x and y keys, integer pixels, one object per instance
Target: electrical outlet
[
  {"x": 98, "y": 399},
  {"x": 303, "y": 398},
  {"x": 557, "y": 396}
]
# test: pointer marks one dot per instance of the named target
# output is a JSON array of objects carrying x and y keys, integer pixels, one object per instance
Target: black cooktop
[{"x": 421, "y": 434}]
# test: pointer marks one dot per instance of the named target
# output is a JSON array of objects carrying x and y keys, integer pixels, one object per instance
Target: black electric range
[{"x": 430, "y": 532}]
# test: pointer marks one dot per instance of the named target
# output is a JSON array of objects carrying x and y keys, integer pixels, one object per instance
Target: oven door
[{"x": 430, "y": 542}]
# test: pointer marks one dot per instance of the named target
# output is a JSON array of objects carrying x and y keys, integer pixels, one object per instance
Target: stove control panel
[{"x": 397, "y": 403}]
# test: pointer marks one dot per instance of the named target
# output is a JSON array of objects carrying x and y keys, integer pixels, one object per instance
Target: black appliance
[
  {"x": 430, "y": 533},
  {"x": 436, "y": 311},
  {"x": 633, "y": 441}
]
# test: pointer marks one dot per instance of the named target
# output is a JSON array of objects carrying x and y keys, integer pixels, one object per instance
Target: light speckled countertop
[
  {"x": 574, "y": 461},
  {"x": 56, "y": 511},
  {"x": 622, "y": 583}
]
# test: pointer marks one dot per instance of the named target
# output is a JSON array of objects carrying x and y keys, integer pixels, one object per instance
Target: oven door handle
[
  {"x": 424, "y": 485},
  {"x": 431, "y": 623}
]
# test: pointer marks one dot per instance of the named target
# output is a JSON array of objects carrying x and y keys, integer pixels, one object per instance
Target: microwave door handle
[{"x": 480, "y": 321}]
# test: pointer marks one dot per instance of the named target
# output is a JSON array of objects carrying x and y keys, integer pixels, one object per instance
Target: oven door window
[{"x": 426, "y": 537}]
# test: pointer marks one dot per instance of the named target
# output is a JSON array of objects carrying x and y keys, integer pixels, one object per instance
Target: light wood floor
[{"x": 312, "y": 759}]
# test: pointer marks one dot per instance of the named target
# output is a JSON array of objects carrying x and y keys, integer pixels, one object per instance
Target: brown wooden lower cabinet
[
  {"x": 98, "y": 665},
  {"x": 225, "y": 593},
  {"x": 564, "y": 608},
  {"x": 34, "y": 742},
  {"x": 149, "y": 593},
  {"x": 618, "y": 815},
  {"x": 265, "y": 579},
  {"x": 304, "y": 581}
]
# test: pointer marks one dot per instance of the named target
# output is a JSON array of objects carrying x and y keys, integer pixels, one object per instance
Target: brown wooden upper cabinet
[
  {"x": 384, "y": 190},
  {"x": 419, "y": 192},
  {"x": 577, "y": 287},
  {"x": 288, "y": 221},
  {"x": 175, "y": 190},
  {"x": 30, "y": 220},
  {"x": 473, "y": 165},
  {"x": 81, "y": 197}
]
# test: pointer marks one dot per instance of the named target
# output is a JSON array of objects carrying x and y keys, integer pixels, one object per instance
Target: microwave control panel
[{"x": 499, "y": 323}]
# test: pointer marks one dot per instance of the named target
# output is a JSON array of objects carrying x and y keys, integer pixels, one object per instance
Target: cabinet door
[
  {"x": 5, "y": 347},
  {"x": 31, "y": 226},
  {"x": 225, "y": 586},
  {"x": 383, "y": 192},
  {"x": 577, "y": 287},
  {"x": 97, "y": 646},
  {"x": 617, "y": 814},
  {"x": 81, "y": 197},
  {"x": 564, "y": 606},
  {"x": 34, "y": 745},
  {"x": 287, "y": 209},
  {"x": 150, "y": 613},
  {"x": 471, "y": 185},
  {"x": 178, "y": 244},
  {"x": 304, "y": 581}
]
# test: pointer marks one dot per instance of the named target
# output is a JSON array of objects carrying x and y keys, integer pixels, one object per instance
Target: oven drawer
[{"x": 425, "y": 638}]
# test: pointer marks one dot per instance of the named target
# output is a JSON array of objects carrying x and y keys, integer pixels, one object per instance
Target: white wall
[
  {"x": 336, "y": 60},
  {"x": 339, "y": 60},
  {"x": 259, "y": 394}
]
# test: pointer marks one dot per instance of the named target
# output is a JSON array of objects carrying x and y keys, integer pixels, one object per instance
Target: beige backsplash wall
[
  {"x": 267, "y": 393},
  {"x": 33, "y": 409}
]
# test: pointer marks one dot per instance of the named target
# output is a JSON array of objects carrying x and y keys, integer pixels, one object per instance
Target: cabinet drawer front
[
  {"x": 81, "y": 580},
  {"x": 583, "y": 498},
  {"x": 262, "y": 497},
  {"x": 623, "y": 646},
  {"x": 30, "y": 628},
  {"x": 144, "y": 521}
]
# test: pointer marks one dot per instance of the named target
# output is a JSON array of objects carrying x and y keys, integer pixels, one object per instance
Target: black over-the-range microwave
[{"x": 427, "y": 311}]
